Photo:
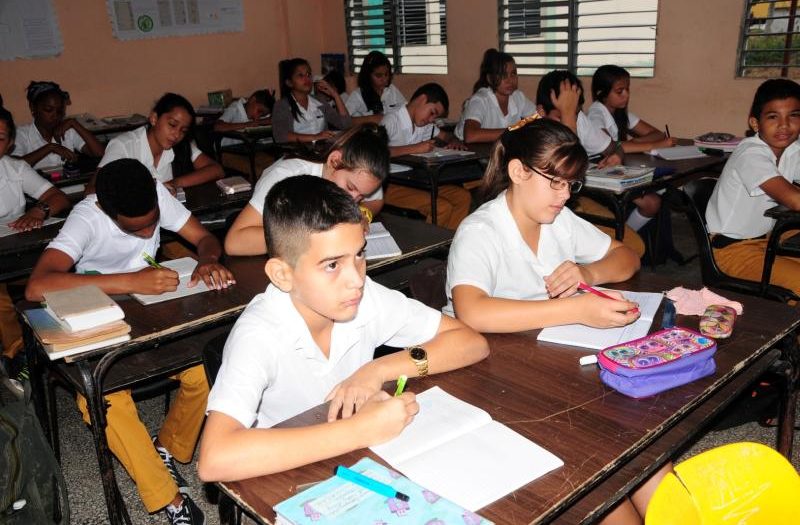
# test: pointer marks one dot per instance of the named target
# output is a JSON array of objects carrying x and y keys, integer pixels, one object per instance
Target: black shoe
[
  {"x": 187, "y": 514},
  {"x": 169, "y": 462}
]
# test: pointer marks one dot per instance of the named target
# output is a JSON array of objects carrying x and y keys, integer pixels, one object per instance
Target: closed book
[
  {"x": 231, "y": 185},
  {"x": 82, "y": 307},
  {"x": 618, "y": 177},
  {"x": 337, "y": 501},
  {"x": 59, "y": 342}
]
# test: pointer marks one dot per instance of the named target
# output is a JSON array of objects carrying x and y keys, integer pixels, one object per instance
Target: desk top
[
  {"x": 481, "y": 151},
  {"x": 540, "y": 391}
]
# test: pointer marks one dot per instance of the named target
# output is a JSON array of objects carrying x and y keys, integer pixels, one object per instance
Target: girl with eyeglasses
[{"x": 524, "y": 246}]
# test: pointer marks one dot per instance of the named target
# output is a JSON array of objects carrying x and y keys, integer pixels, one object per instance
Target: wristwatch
[
  {"x": 45, "y": 208},
  {"x": 420, "y": 358}
]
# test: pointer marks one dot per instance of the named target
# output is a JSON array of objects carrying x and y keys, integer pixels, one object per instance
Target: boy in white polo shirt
[
  {"x": 104, "y": 238},
  {"x": 310, "y": 338}
]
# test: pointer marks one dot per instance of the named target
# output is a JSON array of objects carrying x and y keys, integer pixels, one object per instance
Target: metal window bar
[{"x": 747, "y": 55}]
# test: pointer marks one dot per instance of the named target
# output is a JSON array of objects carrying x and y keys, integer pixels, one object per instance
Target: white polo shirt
[
  {"x": 30, "y": 139},
  {"x": 391, "y": 98},
  {"x": 601, "y": 117},
  {"x": 484, "y": 108},
  {"x": 134, "y": 145},
  {"x": 737, "y": 205},
  {"x": 18, "y": 179},
  {"x": 283, "y": 169},
  {"x": 403, "y": 132},
  {"x": 234, "y": 114},
  {"x": 91, "y": 239},
  {"x": 592, "y": 137},
  {"x": 489, "y": 253},
  {"x": 310, "y": 120},
  {"x": 273, "y": 370}
]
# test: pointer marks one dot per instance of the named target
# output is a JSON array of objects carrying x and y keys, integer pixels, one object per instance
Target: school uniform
[
  {"x": 391, "y": 98},
  {"x": 489, "y": 253},
  {"x": 735, "y": 212},
  {"x": 483, "y": 107},
  {"x": 91, "y": 239},
  {"x": 134, "y": 145},
  {"x": 234, "y": 114},
  {"x": 453, "y": 201},
  {"x": 317, "y": 117},
  {"x": 29, "y": 139},
  {"x": 601, "y": 117},
  {"x": 283, "y": 169},
  {"x": 272, "y": 369}
]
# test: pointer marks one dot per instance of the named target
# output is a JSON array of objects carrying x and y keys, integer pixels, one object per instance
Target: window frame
[{"x": 792, "y": 37}]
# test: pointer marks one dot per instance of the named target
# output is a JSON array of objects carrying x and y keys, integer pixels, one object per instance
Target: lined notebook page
[{"x": 184, "y": 266}]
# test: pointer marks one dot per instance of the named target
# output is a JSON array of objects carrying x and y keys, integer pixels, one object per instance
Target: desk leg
[
  {"x": 786, "y": 416},
  {"x": 619, "y": 217},
  {"x": 252, "y": 147},
  {"x": 36, "y": 368},
  {"x": 434, "y": 176}
]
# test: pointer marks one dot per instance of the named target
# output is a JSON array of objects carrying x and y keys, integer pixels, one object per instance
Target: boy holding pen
[
  {"x": 310, "y": 338},
  {"x": 111, "y": 234}
]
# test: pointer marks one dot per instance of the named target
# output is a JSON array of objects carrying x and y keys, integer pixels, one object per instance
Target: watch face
[{"x": 418, "y": 354}]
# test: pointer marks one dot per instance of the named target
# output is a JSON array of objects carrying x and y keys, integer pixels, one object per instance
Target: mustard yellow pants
[
  {"x": 745, "y": 259},
  {"x": 630, "y": 238},
  {"x": 10, "y": 331},
  {"x": 242, "y": 163},
  {"x": 452, "y": 204},
  {"x": 131, "y": 444}
]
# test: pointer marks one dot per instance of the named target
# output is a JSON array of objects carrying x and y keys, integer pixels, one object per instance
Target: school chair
[
  {"x": 694, "y": 196},
  {"x": 428, "y": 285},
  {"x": 737, "y": 483}
]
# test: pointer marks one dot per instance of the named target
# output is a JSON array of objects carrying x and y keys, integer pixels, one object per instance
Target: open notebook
[
  {"x": 678, "y": 153},
  {"x": 5, "y": 230},
  {"x": 599, "y": 338},
  {"x": 444, "y": 154},
  {"x": 184, "y": 266},
  {"x": 456, "y": 450},
  {"x": 380, "y": 242}
]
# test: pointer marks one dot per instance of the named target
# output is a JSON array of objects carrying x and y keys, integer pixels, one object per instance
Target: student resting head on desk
[
  {"x": 496, "y": 103},
  {"x": 165, "y": 146},
  {"x": 310, "y": 338},
  {"x": 298, "y": 116},
  {"x": 515, "y": 263},
  {"x": 559, "y": 97},
  {"x": 51, "y": 139},
  {"x": 758, "y": 176},
  {"x": 411, "y": 129},
  {"x": 357, "y": 162},
  {"x": 106, "y": 234},
  {"x": 18, "y": 179},
  {"x": 375, "y": 94},
  {"x": 246, "y": 112}
]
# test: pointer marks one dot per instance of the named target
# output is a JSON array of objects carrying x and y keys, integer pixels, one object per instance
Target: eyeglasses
[
  {"x": 524, "y": 121},
  {"x": 558, "y": 184}
]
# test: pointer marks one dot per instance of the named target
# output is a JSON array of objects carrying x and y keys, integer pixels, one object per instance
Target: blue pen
[{"x": 368, "y": 483}]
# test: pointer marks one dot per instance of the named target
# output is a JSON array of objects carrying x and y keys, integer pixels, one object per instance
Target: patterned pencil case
[{"x": 657, "y": 362}]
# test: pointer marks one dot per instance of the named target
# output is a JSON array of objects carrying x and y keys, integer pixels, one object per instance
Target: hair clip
[{"x": 524, "y": 121}]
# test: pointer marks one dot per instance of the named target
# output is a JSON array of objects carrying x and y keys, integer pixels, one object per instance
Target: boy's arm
[
  {"x": 229, "y": 451},
  {"x": 473, "y": 132},
  {"x": 420, "y": 147},
  {"x": 450, "y": 140},
  {"x": 209, "y": 251},
  {"x": 783, "y": 191},
  {"x": 246, "y": 236}
]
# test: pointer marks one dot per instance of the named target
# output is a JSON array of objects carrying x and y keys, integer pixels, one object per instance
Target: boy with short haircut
[
  {"x": 106, "y": 234},
  {"x": 411, "y": 129},
  {"x": 310, "y": 338}
]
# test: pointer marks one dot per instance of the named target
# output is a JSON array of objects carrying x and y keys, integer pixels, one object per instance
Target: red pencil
[{"x": 586, "y": 288}]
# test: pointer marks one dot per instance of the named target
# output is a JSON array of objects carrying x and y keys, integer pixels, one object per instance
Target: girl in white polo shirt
[
  {"x": 496, "y": 103},
  {"x": 298, "y": 116},
  {"x": 375, "y": 95}
]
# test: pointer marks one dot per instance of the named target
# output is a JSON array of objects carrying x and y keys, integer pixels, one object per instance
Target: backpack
[{"x": 32, "y": 486}]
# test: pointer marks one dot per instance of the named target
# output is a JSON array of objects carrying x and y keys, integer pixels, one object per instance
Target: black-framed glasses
[{"x": 558, "y": 184}]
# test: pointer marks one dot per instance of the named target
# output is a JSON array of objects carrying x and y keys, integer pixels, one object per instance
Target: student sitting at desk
[
  {"x": 18, "y": 179},
  {"x": 104, "y": 238},
  {"x": 298, "y": 116},
  {"x": 357, "y": 162},
  {"x": 375, "y": 94},
  {"x": 51, "y": 139},
  {"x": 411, "y": 130},
  {"x": 165, "y": 146},
  {"x": 245, "y": 113},
  {"x": 310, "y": 338},
  {"x": 758, "y": 176}
]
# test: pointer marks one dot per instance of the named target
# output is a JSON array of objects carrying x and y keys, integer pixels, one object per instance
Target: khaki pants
[
  {"x": 745, "y": 259},
  {"x": 242, "y": 163},
  {"x": 131, "y": 444},
  {"x": 630, "y": 238},
  {"x": 10, "y": 331},
  {"x": 452, "y": 204}
]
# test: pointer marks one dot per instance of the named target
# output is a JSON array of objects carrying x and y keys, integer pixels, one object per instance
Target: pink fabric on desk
[{"x": 695, "y": 302}]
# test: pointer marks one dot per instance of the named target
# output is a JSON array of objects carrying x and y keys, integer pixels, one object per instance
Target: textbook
[
  {"x": 59, "y": 343},
  {"x": 185, "y": 267},
  {"x": 678, "y": 153},
  {"x": 231, "y": 185},
  {"x": 457, "y": 451},
  {"x": 338, "y": 501},
  {"x": 6, "y": 230},
  {"x": 600, "y": 338},
  {"x": 82, "y": 308},
  {"x": 618, "y": 178},
  {"x": 380, "y": 243}
]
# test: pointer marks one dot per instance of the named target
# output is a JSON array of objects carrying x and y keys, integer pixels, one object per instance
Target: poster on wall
[
  {"x": 29, "y": 29},
  {"x": 138, "y": 19}
]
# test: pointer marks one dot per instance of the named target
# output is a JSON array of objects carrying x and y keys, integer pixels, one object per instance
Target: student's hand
[
  {"x": 564, "y": 280},
  {"x": 425, "y": 146},
  {"x": 567, "y": 100},
  {"x": 65, "y": 153},
  {"x": 615, "y": 159},
  {"x": 213, "y": 274},
  {"x": 155, "y": 281},
  {"x": 666, "y": 143},
  {"x": 351, "y": 394},
  {"x": 325, "y": 135},
  {"x": 170, "y": 185},
  {"x": 600, "y": 312},
  {"x": 30, "y": 221},
  {"x": 383, "y": 417},
  {"x": 325, "y": 88},
  {"x": 456, "y": 144},
  {"x": 61, "y": 129}
]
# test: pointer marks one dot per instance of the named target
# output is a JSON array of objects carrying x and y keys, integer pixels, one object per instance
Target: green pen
[
  {"x": 401, "y": 385},
  {"x": 149, "y": 260}
]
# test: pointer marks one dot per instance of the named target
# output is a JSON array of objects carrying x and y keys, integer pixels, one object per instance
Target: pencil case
[
  {"x": 657, "y": 362},
  {"x": 717, "y": 321}
]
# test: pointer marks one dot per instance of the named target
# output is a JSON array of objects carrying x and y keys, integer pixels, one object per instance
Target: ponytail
[{"x": 286, "y": 69}]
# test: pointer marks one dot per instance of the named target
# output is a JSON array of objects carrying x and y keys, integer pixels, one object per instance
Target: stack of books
[
  {"x": 78, "y": 320},
  {"x": 618, "y": 178},
  {"x": 231, "y": 185}
]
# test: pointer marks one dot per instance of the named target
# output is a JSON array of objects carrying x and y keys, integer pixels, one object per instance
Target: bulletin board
[
  {"x": 139, "y": 19},
  {"x": 29, "y": 29}
]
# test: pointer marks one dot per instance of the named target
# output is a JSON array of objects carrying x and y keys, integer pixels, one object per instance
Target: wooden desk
[
  {"x": 609, "y": 442},
  {"x": 159, "y": 344},
  {"x": 252, "y": 140}
]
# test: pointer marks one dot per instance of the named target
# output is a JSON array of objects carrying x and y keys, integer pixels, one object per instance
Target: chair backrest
[
  {"x": 427, "y": 285},
  {"x": 212, "y": 357}
]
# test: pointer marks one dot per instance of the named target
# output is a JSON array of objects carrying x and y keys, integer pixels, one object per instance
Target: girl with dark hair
[
  {"x": 375, "y": 94},
  {"x": 300, "y": 117}
]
